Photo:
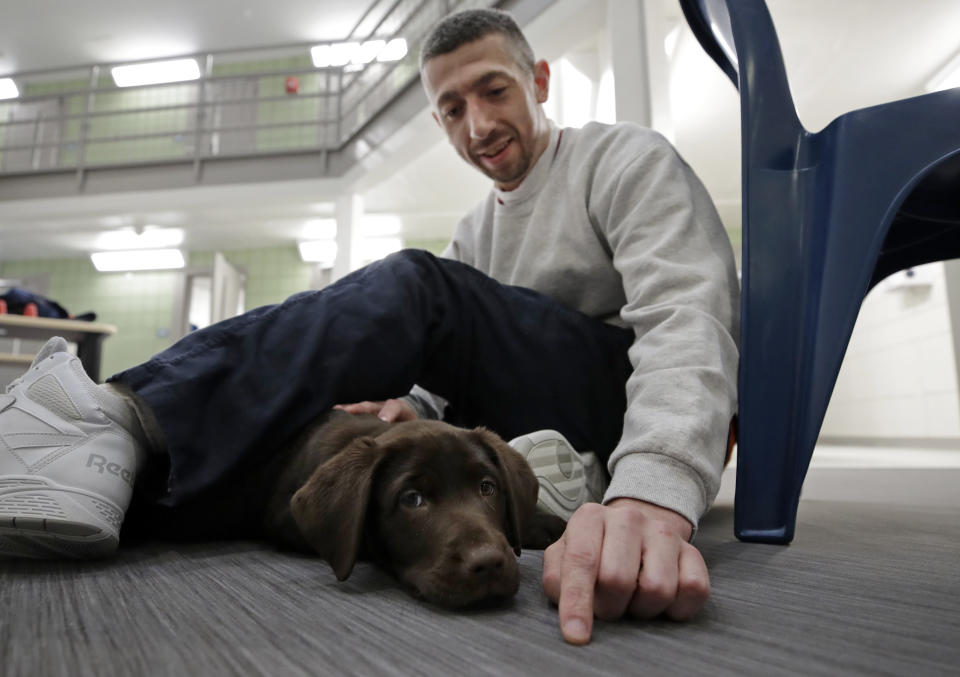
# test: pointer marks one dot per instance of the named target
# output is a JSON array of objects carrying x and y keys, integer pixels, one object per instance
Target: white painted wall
[{"x": 899, "y": 376}]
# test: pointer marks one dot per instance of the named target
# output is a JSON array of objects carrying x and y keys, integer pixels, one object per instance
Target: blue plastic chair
[{"x": 825, "y": 217}]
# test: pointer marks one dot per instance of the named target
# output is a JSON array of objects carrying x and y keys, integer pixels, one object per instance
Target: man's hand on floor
[
  {"x": 626, "y": 557},
  {"x": 391, "y": 411}
]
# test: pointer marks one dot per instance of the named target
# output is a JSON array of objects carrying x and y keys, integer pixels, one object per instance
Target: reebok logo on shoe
[{"x": 101, "y": 465}]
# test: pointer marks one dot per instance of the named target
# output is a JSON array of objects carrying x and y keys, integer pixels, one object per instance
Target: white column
[
  {"x": 637, "y": 30},
  {"x": 349, "y": 212}
]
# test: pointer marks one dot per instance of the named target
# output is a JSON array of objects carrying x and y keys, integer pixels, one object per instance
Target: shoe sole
[
  {"x": 541, "y": 452},
  {"x": 42, "y": 519},
  {"x": 550, "y": 499}
]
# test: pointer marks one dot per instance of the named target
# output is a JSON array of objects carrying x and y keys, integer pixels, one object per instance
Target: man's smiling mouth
[{"x": 496, "y": 151}]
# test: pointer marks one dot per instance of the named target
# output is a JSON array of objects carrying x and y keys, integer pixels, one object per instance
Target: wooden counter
[{"x": 87, "y": 335}]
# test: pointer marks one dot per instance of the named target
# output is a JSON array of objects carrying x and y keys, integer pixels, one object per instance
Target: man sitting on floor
[{"x": 592, "y": 292}]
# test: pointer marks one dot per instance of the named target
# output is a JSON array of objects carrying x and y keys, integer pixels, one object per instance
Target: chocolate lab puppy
[{"x": 446, "y": 510}]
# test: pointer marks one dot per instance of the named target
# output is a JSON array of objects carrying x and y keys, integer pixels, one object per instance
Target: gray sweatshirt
[{"x": 612, "y": 222}]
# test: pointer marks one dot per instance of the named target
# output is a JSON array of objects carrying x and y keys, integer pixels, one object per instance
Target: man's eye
[
  {"x": 411, "y": 499},
  {"x": 488, "y": 488},
  {"x": 452, "y": 113},
  {"x": 497, "y": 91}
]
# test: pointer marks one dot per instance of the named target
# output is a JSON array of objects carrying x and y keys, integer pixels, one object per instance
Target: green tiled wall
[
  {"x": 433, "y": 246},
  {"x": 140, "y": 304}
]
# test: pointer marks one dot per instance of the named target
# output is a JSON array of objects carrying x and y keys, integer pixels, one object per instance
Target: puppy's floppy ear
[
  {"x": 519, "y": 484},
  {"x": 331, "y": 507}
]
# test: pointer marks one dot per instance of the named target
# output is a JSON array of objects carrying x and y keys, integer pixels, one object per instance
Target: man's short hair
[{"x": 469, "y": 25}]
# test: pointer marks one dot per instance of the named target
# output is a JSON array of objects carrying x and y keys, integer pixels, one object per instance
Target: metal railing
[{"x": 244, "y": 104}]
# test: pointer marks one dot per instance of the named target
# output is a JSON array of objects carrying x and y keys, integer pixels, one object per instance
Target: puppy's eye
[
  {"x": 411, "y": 499},
  {"x": 488, "y": 488}
]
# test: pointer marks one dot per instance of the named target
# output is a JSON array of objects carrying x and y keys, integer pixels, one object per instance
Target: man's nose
[{"x": 481, "y": 122}]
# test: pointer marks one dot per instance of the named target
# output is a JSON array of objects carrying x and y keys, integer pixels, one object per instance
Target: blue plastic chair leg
[{"x": 798, "y": 317}]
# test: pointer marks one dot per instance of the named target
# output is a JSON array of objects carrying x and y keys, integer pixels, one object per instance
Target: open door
[{"x": 228, "y": 290}]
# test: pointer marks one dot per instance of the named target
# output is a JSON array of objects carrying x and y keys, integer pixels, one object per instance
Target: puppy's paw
[{"x": 542, "y": 530}]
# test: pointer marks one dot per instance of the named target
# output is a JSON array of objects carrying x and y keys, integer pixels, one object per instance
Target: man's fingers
[
  {"x": 659, "y": 575},
  {"x": 581, "y": 561},
  {"x": 552, "y": 568},
  {"x": 693, "y": 586},
  {"x": 612, "y": 560},
  {"x": 619, "y": 564},
  {"x": 361, "y": 407},
  {"x": 390, "y": 411},
  {"x": 396, "y": 410}
]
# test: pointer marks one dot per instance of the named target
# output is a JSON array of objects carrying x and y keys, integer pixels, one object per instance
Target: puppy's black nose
[{"x": 484, "y": 562}]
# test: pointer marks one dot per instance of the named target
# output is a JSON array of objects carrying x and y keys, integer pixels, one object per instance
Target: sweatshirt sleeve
[
  {"x": 682, "y": 302},
  {"x": 426, "y": 404}
]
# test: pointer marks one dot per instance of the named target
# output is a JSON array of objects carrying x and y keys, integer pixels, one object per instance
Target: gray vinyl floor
[{"x": 867, "y": 588}]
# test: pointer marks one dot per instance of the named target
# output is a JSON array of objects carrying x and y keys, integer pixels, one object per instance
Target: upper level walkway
[{"x": 257, "y": 114}]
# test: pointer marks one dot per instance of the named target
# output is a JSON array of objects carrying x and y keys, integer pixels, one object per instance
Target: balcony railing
[{"x": 246, "y": 103}]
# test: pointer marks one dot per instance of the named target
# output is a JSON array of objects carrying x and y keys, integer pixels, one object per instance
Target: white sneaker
[
  {"x": 68, "y": 459},
  {"x": 567, "y": 479}
]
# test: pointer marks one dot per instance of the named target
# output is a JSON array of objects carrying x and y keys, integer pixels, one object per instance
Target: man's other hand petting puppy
[{"x": 444, "y": 509}]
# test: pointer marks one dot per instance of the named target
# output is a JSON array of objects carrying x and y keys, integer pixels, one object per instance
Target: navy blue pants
[{"x": 505, "y": 357}]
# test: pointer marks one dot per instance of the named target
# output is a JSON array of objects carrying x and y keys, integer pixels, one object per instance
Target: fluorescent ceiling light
[
  {"x": 150, "y": 237},
  {"x": 8, "y": 89},
  {"x": 155, "y": 72},
  {"x": 947, "y": 77},
  {"x": 395, "y": 50},
  {"x": 323, "y": 252},
  {"x": 339, "y": 54},
  {"x": 142, "y": 259},
  {"x": 368, "y": 51}
]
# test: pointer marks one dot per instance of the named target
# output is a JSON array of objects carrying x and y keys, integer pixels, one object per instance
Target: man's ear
[
  {"x": 331, "y": 507},
  {"x": 520, "y": 485},
  {"x": 436, "y": 118},
  {"x": 541, "y": 80}
]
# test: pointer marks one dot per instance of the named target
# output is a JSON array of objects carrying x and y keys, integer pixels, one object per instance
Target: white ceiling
[
  {"x": 41, "y": 34},
  {"x": 840, "y": 56}
]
